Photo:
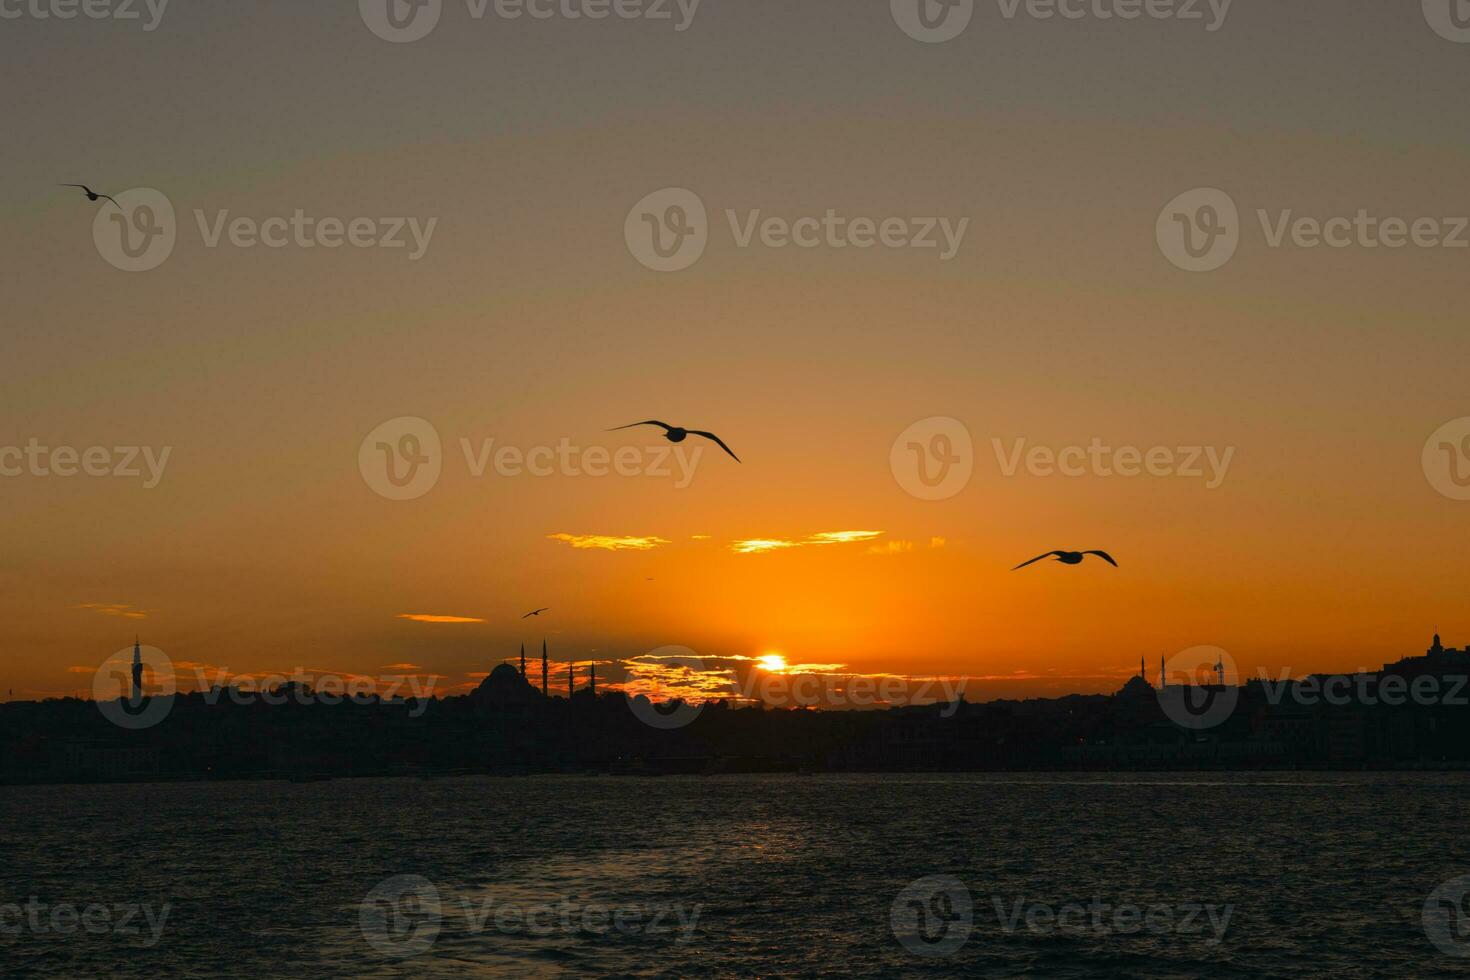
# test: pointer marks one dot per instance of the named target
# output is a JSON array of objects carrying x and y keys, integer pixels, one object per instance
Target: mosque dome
[
  {"x": 505, "y": 683},
  {"x": 1137, "y": 687}
]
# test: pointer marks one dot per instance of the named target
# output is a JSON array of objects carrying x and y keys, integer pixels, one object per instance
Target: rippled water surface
[{"x": 1321, "y": 874}]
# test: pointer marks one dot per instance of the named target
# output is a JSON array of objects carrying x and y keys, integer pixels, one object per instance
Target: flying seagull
[
  {"x": 675, "y": 434},
  {"x": 535, "y": 612},
  {"x": 93, "y": 195},
  {"x": 1070, "y": 558}
]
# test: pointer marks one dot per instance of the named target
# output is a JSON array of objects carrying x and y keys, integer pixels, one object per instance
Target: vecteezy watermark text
[
  {"x": 657, "y": 678},
  {"x": 303, "y": 231},
  {"x": 935, "y": 916},
  {"x": 934, "y": 459},
  {"x": 140, "y": 231},
  {"x": 121, "y": 462},
  {"x": 38, "y": 918},
  {"x": 937, "y": 21},
  {"x": 136, "y": 688},
  {"x": 405, "y": 21},
  {"x": 403, "y": 458},
  {"x": 1097, "y": 458},
  {"x": 668, "y": 231},
  {"x": 403, "y": 915},
  {"x": 1200, "y": 230},
  {"x": 1103, "y": 918},
  {"x": 1369, "y": 690},
  {"x": 120, "y": 10}
]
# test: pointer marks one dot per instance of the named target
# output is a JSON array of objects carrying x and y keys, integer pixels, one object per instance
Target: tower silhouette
[
  {"x": 137, "y": 669},
  {"x": 523, "y": 658},
  {"x": 543, "y": 669}
]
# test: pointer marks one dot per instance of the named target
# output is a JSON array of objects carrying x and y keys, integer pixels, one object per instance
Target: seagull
[
  {"x": 675, "y": 434},
  {"x": 535, "y": 612},
  {"x": 93, "y": 195},
  {"x": 1070, "y": 558}
]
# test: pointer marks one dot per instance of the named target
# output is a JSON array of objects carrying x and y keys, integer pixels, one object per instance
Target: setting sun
[{"x": 773, "y": 662}]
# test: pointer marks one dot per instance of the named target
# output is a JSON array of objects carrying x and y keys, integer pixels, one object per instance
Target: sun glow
[{"x": 773, "y": 662}]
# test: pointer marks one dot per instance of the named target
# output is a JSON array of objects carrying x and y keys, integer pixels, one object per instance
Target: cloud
[
  {"x": 427, "y": 618},
  {"x": 937, "y": 542},
  {"x": 114, "y": 609},
  {"x": 753, "y": 546},
  {"x": 842, "y": 537},
  {"x": 607, "y": 542},
  {"x": 891, "y": 548},
  {"x": 403, "y": 667}
]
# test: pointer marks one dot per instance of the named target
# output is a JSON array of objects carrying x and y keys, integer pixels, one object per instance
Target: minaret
[
  {"x": 137, "y": 670},
  {"x": 543, "y": 669},
  {"x": 1142, "y": 670},
  {"x": 523, "y": 659},
  {"x": 1220, "y": 670},
  {"x": 1163, "y": 677},
  {"x": 592, "y": 677}
]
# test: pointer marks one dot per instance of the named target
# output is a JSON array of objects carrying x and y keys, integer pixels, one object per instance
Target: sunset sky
[{"x": 528, "y": 321}]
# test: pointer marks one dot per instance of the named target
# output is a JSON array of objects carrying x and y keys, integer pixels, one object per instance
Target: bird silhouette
[
  {"x": 535, "y": 612},
  {"x": 675, "y": 434},
  {"x": 93, "y": 195},
  {"x": 1070, "y": 558}
]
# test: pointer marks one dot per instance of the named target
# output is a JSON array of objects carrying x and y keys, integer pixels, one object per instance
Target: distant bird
[
  {"x": 93, "y": 195},
  {"x": 1070, "y": 558},
  {"x": 675, "y": 434},
  {"x": 535, "y": 612}
]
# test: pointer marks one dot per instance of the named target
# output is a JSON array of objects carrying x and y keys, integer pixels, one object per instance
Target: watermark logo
[
  {"x": 668, "y": 230},
  {"x": 116, "y": 462},
  {"x": 933, "y": 916},
  {"x": 119, "y": 10},
  {"x": 1104, "y": 918},
  {"x": 932, "y": 21},
  {"x": 402, "y": 458},
  {"x": 1446, "y": 917},
  {"x": 1446, "y": 459},
  {"x": 937, "y": 21},
  {"x": 1194, "y": 694},
  {"x": 124, "y": 687},
  {"x": 1364, "y": 689},
  {"x": 401, "y": 21},
  {"x": 1199, "y": 230},
  {"x": 1449, "y": 18},
  {"x": 38, "y": 918},
  {"x": 934, "y": 458},
  {"x": 1098, "y": 459},
  {"x": 139, "y": 234},
  {"x": 401, "y": 917},
  {"x": 670, "y": 713},
  {"x": 304, "y": 231}
]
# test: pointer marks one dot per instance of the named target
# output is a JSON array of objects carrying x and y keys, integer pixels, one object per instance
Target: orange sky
[{"x": 528, "y": 321}]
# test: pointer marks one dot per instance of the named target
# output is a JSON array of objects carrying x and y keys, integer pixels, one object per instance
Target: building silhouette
[{"x": 507, "y": 725}]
